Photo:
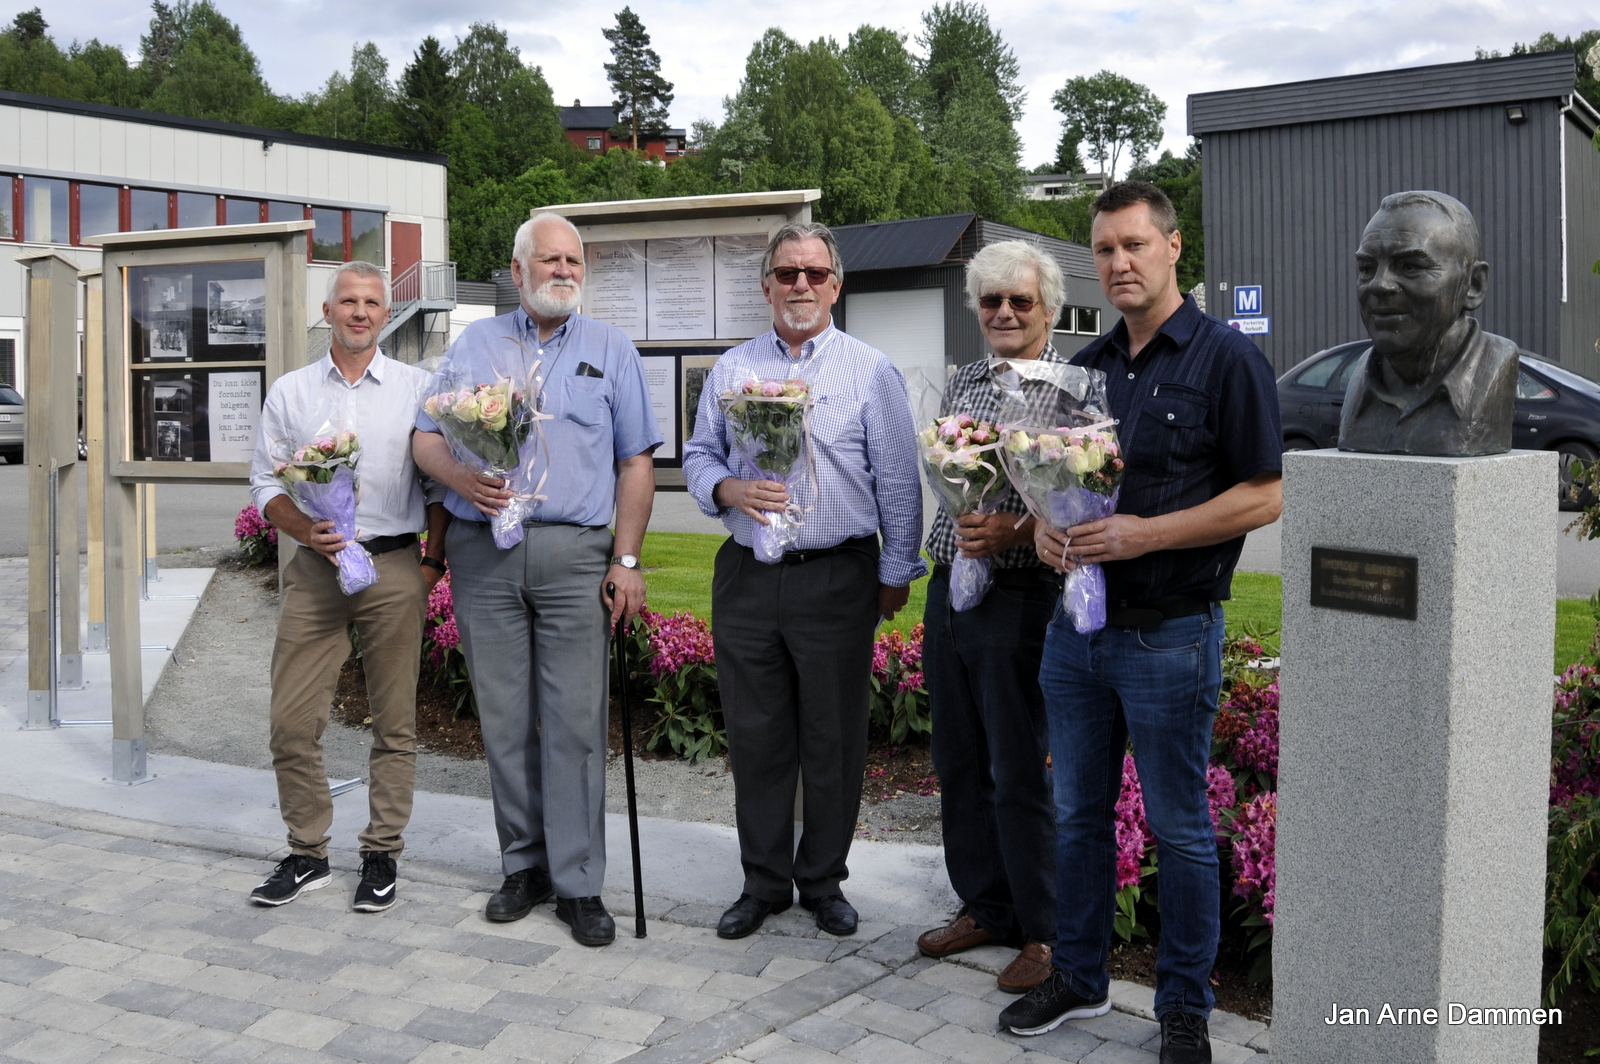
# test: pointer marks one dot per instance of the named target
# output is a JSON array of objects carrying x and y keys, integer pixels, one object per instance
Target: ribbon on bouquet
[{"x": 1063, "y": 431}]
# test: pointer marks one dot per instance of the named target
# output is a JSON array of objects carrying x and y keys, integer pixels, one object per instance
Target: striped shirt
[
  {"x": 973, "y": 390},
  {"x": 861, "y": 434}
]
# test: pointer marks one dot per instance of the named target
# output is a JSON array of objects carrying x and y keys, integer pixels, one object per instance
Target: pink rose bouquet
[
  {"x": 960, "y": 465},
  {"x": 320, "y": 476}
]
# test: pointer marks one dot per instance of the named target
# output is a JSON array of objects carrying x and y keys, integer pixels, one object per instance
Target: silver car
[{"x": 13, "y": 424}]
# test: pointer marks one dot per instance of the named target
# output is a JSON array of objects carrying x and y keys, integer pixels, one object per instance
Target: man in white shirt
[{"x": 376, "y": 397}]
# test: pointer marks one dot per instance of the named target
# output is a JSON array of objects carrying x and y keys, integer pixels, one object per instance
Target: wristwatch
[
  {"x": 627, "y": 561},
  {"x": 435, "y": 563}
]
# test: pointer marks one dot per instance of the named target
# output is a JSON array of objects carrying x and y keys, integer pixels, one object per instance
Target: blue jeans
[{"x": 1159, "y": 687}]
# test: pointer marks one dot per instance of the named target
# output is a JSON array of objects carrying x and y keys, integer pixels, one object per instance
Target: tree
[
  {"x": 1586, "y": 44},
  {"x": 29, "y": 26},
  {"x": 961, "y": 47},
  {"x": 643, "y": 95},
  {"x": 484, "y": 217},
  {"x": 741, "y": 141},
  {"x": 1180, "y": 178},
  {"x": 1069, "y": 157},
  {"x": 513, "y": 96},
  {"x": 427, "y": 97},
  {"x": 876, "y": 60},
  {"x": 1110, "y": 114},
  {"x": 973, "y": 99},
  {"x": 201, "y": 66}
]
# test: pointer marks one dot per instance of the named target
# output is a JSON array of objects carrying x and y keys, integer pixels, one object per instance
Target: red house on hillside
[{"x": 590, "y": 128}]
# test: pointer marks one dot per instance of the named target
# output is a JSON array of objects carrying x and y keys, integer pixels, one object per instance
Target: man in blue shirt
[
  {"x": 794, "y": 639},
  {"x": 535, "y": 618},
  {"x": 1197, "y": 413}
]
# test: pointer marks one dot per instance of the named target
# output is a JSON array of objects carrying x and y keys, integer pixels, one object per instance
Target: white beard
[
  {"x": 802, "y": 317},
  {"x": 554, "y": 298}
]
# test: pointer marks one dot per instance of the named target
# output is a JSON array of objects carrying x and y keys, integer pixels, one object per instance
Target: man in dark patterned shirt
[{"x": 982, "y": 664}]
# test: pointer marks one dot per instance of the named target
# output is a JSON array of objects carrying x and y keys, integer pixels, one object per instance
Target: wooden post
[
  {"x": 152, "y": 570},
  {"x": 52, "y": 444},
  {"x": 124, "y": 569},
  {"x": 94, "y": 434},
  {"x": 69, "y": 611}
]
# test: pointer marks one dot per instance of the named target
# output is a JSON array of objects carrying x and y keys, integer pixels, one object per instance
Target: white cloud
[{"x": 1174, "y": 48}]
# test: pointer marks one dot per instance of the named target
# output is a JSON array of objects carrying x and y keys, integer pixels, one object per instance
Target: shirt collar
[
  {"x": 1179, "y": 328},
  {"x": 525, "y": 325},
  {"x": 811, "y": 347},
  {"x": 375, "y": 369},
  {"x": 1456, "y": 379}
]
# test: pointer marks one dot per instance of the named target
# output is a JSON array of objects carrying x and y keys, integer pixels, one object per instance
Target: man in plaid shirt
[{"x": 982, "y": 664}]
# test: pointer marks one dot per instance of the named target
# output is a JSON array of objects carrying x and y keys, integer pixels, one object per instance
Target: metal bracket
[
  {"x": 70, "y": 677},
  {"x": 99, "y": 638},
  {"x": 42, "y": 714},
  {"x": 128, "y": 762}
]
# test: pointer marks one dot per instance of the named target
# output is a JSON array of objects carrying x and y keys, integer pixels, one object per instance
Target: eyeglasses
[
  {"x": 1020, "y": 304},
  {"x": 791, "y": 274}
]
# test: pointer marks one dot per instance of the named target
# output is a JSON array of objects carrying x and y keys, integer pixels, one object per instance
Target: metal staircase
[{"x": 424, "y": 287}]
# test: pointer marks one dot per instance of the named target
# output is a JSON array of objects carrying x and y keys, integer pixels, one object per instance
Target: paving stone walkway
[{"x": 117, "y": 949}]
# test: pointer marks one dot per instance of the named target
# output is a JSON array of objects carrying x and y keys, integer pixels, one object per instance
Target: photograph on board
[
  {"x": 167, "y": 317},
  {"x": 168, "y": 417},
  {"x": 236, "y": 311}
]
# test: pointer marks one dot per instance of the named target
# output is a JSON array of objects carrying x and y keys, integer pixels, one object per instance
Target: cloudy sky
[{"x": 1174, "y": 48}]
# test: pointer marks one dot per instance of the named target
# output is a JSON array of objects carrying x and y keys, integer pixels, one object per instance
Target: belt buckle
[{"x": 1135, "y": 618}]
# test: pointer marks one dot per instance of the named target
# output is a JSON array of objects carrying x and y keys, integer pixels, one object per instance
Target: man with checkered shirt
[{"x": 981, "y": 665}]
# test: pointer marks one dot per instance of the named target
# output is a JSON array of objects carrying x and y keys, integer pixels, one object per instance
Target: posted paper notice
[
  {"x": 742, "y": 310},
  {"x": 614, "y": 285},
  {"x": 235, "y": 415},
  {"x": 681, "y": 284},
  {"x": 661, "y": 375}
]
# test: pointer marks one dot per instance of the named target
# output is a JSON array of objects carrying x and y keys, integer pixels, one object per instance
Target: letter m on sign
[{"x": 1246, "y": 300}]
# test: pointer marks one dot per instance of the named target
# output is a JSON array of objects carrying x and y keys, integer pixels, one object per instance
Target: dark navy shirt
[{"x": 1197, "y": 413}]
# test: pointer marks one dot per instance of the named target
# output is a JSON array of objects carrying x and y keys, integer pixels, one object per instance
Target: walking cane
[{"x": 627, "y": 764}]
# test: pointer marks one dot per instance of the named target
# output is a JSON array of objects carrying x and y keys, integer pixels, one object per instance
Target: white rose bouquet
[{"x": 771, "y": 431}]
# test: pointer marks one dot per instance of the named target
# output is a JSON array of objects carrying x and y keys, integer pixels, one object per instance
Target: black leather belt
[
  {"x": 1021, "y": 578},
  {"x": 862, "y": 545},
  {"x": 384, "y": 544},
  {"x": 1150, "y": 614}
]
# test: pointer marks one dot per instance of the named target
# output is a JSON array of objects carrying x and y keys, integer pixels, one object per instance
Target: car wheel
[
  {"x": 1299, "y": 443},
  {"x": 1571, "y": 451}
]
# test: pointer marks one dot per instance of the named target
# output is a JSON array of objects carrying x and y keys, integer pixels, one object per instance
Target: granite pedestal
[{"x": 1414, "y": 763}]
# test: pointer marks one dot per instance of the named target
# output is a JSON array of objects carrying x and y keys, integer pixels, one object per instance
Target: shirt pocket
[
  {"x": 583, "y": 400},
  {"x": 1172, "y": 428},
  {"x": 836, "y": 420}
]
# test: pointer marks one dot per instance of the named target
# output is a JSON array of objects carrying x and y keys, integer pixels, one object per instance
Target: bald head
[
  {"x": 530, "y": 231},
  {"x": 1462, "y": 226}
]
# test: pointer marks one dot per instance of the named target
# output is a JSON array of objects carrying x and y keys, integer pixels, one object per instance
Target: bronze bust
[{"x": 1433, "y": 382}]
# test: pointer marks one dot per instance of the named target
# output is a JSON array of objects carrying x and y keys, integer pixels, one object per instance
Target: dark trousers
[
  {"x": 794, "y": 664},
  {"x": 990, "y": 738}
]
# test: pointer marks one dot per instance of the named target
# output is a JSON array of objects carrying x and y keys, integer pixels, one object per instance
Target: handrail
[{"x": 431, "y": 281}]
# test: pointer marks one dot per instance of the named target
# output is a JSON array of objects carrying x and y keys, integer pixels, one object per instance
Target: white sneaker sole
[
  {"x": 374, "y": 906},
  {"x": 310, "y": 884},
  {"x": 1083, "y": 1012}
]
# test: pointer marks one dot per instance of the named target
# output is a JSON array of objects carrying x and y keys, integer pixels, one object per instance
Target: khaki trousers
[{"x": 313, "y": 643}]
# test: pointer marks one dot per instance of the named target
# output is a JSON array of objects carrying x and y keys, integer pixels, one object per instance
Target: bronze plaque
[{"x": 1384, "y": 584}]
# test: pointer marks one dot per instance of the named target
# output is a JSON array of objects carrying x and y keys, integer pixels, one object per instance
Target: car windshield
[{"x": 9, "y": 396}]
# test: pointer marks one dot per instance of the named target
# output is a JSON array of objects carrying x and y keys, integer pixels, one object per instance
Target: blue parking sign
[{"x": 1246, "y": 300}]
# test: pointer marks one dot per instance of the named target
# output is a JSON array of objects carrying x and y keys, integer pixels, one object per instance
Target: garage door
[{"x": 908, "y": 326}]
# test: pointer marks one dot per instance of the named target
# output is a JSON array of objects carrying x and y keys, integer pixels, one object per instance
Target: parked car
[
  {"x": 1557, "y": 410},
  {"x": 13, "y": 424}
]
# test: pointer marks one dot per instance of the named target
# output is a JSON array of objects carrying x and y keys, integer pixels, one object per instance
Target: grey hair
[
  {"x": 360, "y": 269},
  {"x": 1006, "y": 266},
  {"x": 523, "y": 246},
  {"x": 804, "y": 231},
  {"x": 1449, "y": 206}
]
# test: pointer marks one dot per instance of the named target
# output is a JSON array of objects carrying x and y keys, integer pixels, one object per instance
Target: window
[
  {"x": 45, "y": 210},
  {"x": 1343, "y": 383},
  {"x": 366, "y": 236},
  {"x": 285, "y": 212},
  {"x": 594, "y": 143},
  {"x": 8, "y": 370},
  {"x": 1318, "y": 375},
  {"x": 1052, "y": 190},
  {"x": 327, "y": 239},
  {"x": 147, "y": 210},
  {"x": 242, "y": 211},
  {"x": 672, "y": 143},
  {"x": 1087, "y": 320},
  {"x": 1533, "y": 389},
  {"x": 8, "y": 229},
  {"x": 99, "y": 211},
  {"x": 195, "y": 210}
]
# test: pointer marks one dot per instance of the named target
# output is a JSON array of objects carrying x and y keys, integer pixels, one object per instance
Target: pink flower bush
[
  {"x": 258, "y": 539},
  {"x": 1255, "y": 851},
  {"x": 1257, "y": 748},
  {"x": 678, "y": 640},
  {"x": 899, "y": 693},
  {"x": 1133, "y": 832},
  {"x": 1573, "y": 769}
]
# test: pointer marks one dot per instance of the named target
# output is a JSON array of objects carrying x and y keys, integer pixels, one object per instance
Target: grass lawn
[{"x": 678, "y": 568}]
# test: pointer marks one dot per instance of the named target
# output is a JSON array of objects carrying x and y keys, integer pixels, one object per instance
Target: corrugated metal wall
[
  {"x": 963, "y": 342},
  {"x": 1285, "y": 208},
  {"x": 1580, "y": 314}
]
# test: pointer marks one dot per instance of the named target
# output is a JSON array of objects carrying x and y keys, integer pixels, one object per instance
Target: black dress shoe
[
  {"x": 518, "y": 895},
  {"x": 834, "y": 915},
  {"x": 747, "y": 914},
  {"x": 591, "y": 924}
]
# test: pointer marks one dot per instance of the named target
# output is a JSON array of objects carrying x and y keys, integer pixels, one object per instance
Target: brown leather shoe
[
  {"x": 963, "y": 934},
  {"x": 1028, "y": 970}
]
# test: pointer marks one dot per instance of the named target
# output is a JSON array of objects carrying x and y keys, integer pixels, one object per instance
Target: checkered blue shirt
[{"x": 861, "y": 433}]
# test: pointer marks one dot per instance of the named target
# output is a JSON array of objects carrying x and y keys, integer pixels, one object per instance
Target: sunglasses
[
  {"x": 791, "y": 274},
  {"x": 1020, "y": 304}
]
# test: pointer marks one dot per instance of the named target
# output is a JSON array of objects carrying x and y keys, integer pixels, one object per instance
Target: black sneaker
[
  {"x": 1185, "y": 1038},
  {"x": 375, "y": 892},
  {"x": 1051, "y": 1003},
  {"x": 294, "y": 874}
]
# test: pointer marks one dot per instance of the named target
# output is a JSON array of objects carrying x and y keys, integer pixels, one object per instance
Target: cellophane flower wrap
[
  {"x": 320, "y": 476},
  {"x": 488, "y": 418},
  {"x": 1059, "y": 448},
  {"x": 770, "y": 420},
  {"x": 960, "y": 464}
]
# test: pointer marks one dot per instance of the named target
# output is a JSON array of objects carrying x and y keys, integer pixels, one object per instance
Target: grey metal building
[
  {"x": 905, "y": 290},
  {"x": 1293, "y": 172}
]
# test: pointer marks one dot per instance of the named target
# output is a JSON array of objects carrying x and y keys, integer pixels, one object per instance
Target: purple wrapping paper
[
  {"x": 1085, "y": 591},
  {"x": 970, "y": 580},
  {"x": 336, "y": 501},
  {"x": 770, "y": 542}
]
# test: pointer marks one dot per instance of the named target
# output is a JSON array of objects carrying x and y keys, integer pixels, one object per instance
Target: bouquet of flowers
[
  {"x": 1060, "y": 452},
  {"x": 771, "y": 431},
  {"x": 487, "y": 423},
  {"x": 320, "y": 476},
  {"x": 959, "y": 463}
]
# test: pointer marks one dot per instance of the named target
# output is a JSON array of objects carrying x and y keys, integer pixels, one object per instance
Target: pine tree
[
  {"x": 427, "y": 97},
  {"x": 643, "y": 96}
]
